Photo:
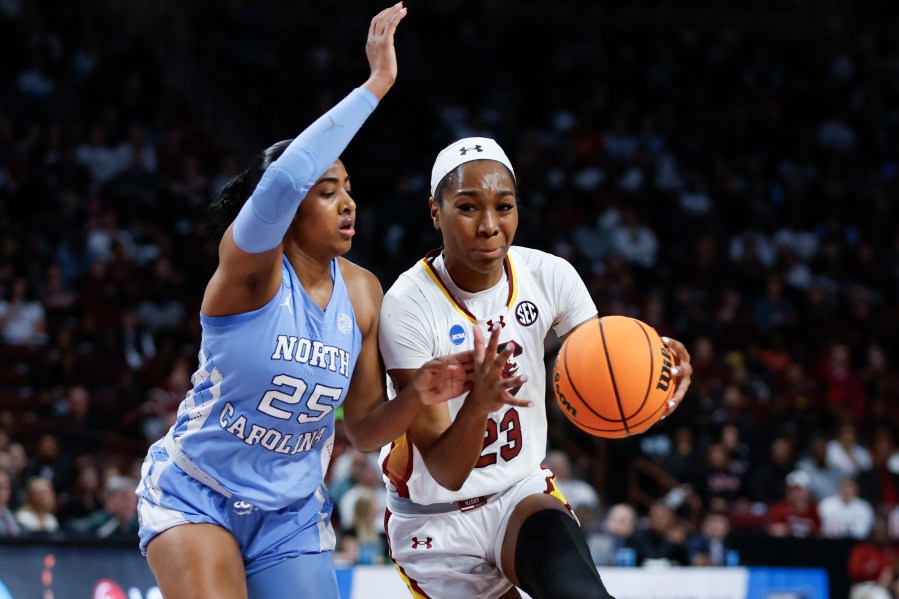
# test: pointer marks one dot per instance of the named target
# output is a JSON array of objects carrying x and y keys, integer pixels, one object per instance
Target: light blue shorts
[{"x": 168, "y": 497}]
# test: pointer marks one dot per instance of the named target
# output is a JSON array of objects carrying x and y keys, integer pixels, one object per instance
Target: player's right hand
[
  {"x": 489, "y": 390},
  {"x": 380, "y": 50}
]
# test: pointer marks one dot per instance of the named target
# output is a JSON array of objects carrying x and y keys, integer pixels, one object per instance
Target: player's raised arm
[
  {"x": 250, "y": 250},
  {"x": 381, "y": 50}
]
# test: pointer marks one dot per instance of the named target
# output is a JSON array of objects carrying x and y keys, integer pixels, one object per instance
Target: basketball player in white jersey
[{"x": 471, "y": 510}]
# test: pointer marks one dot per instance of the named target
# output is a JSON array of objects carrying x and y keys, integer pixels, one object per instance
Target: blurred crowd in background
[{"x": 728, "y": 174}]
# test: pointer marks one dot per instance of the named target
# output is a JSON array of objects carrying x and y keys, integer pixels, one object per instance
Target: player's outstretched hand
[
  {"x": 442, "y": 379},
  {"x": 682, "y": 371},
  {"x": 380, "y": 50},
  {"x": 489, "y": 389}
]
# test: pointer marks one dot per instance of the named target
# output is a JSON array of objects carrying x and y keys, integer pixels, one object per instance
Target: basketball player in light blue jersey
[{"x": 232, "y": 500}]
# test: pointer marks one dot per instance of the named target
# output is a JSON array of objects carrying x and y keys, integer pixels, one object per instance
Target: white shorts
[{"x": 457, "y": 553}]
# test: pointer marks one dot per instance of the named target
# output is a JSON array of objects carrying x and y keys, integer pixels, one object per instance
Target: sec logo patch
[{"x": 526, "y": 313}]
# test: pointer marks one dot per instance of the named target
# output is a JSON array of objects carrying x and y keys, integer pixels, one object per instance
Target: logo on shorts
[
  {"x": 526, "y": 313},
  {"x": 427, "y": 543},
  {"x": 242, "y": 508},
  {"x": 344, "y": 323},
  {"x": 457, "y": 334}
]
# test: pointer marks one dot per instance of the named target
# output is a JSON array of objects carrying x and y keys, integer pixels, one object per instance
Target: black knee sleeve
[{"x": 552, "y": 559}]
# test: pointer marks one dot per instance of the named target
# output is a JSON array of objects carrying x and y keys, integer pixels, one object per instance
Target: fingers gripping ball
[{"x": 612, "y": 377}]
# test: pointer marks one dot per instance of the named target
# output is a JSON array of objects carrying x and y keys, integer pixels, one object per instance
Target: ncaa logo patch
[
  {"x": 457, "y": 334},
  {"x": 344, "y": 323},
  {"x": 526, "y": 313}
]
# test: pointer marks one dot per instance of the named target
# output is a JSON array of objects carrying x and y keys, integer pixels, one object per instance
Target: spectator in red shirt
[
  {"x": 873, "y": 564},
  {"x": 844, "y": 387},
  {"x": 797, "y": 515}
]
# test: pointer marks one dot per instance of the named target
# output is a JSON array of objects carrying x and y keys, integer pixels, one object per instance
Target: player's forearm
[
  {"x": 379, "y": 84},
  {"x": 265, "y": 217},
  {"x": 384, "y": 422},
  {"x": 452, "y": 456}
]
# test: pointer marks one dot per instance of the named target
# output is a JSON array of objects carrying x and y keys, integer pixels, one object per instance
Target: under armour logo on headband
[{"x": 465, "y": 150}]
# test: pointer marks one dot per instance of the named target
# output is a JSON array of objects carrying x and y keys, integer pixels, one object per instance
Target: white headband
[{"x": 466, "y": 150}]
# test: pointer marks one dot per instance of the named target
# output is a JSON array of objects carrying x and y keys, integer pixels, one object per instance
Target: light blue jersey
[
  {"x": 253, "y": 438},
  {"x": 258, "y": 424}
]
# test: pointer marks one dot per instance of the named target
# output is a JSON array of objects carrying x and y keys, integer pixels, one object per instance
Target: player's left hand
[
  {"x": 442, "y": 379},
  {"x": 490, "y": 389},
  {"x": 682, "y": 371},
  {"x": 380, "y": 50}
]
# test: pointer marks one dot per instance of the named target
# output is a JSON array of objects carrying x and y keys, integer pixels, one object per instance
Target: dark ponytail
[{"x": 223, "y": 210}]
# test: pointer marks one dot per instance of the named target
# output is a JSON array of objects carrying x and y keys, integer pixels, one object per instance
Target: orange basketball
[{"x": 612, "y": 377}]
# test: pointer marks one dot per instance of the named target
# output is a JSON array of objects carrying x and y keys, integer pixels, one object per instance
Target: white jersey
[{"x": 425, "y": 315}]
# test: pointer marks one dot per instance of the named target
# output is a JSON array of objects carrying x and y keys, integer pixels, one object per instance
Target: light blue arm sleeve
[{"x": 265, "y": 217}]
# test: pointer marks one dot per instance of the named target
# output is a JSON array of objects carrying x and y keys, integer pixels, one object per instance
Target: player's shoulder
[
  {"x": 412, "y": 294},
  {"x": 536, "y": 261},
  {"x": 411, "y": 281},
  {"x": 359, "y": 279},
  {"x": 364, "y": 290}
]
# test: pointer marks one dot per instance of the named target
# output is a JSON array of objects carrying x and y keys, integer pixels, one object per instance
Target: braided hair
[{"x": 224, "y": 209}]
